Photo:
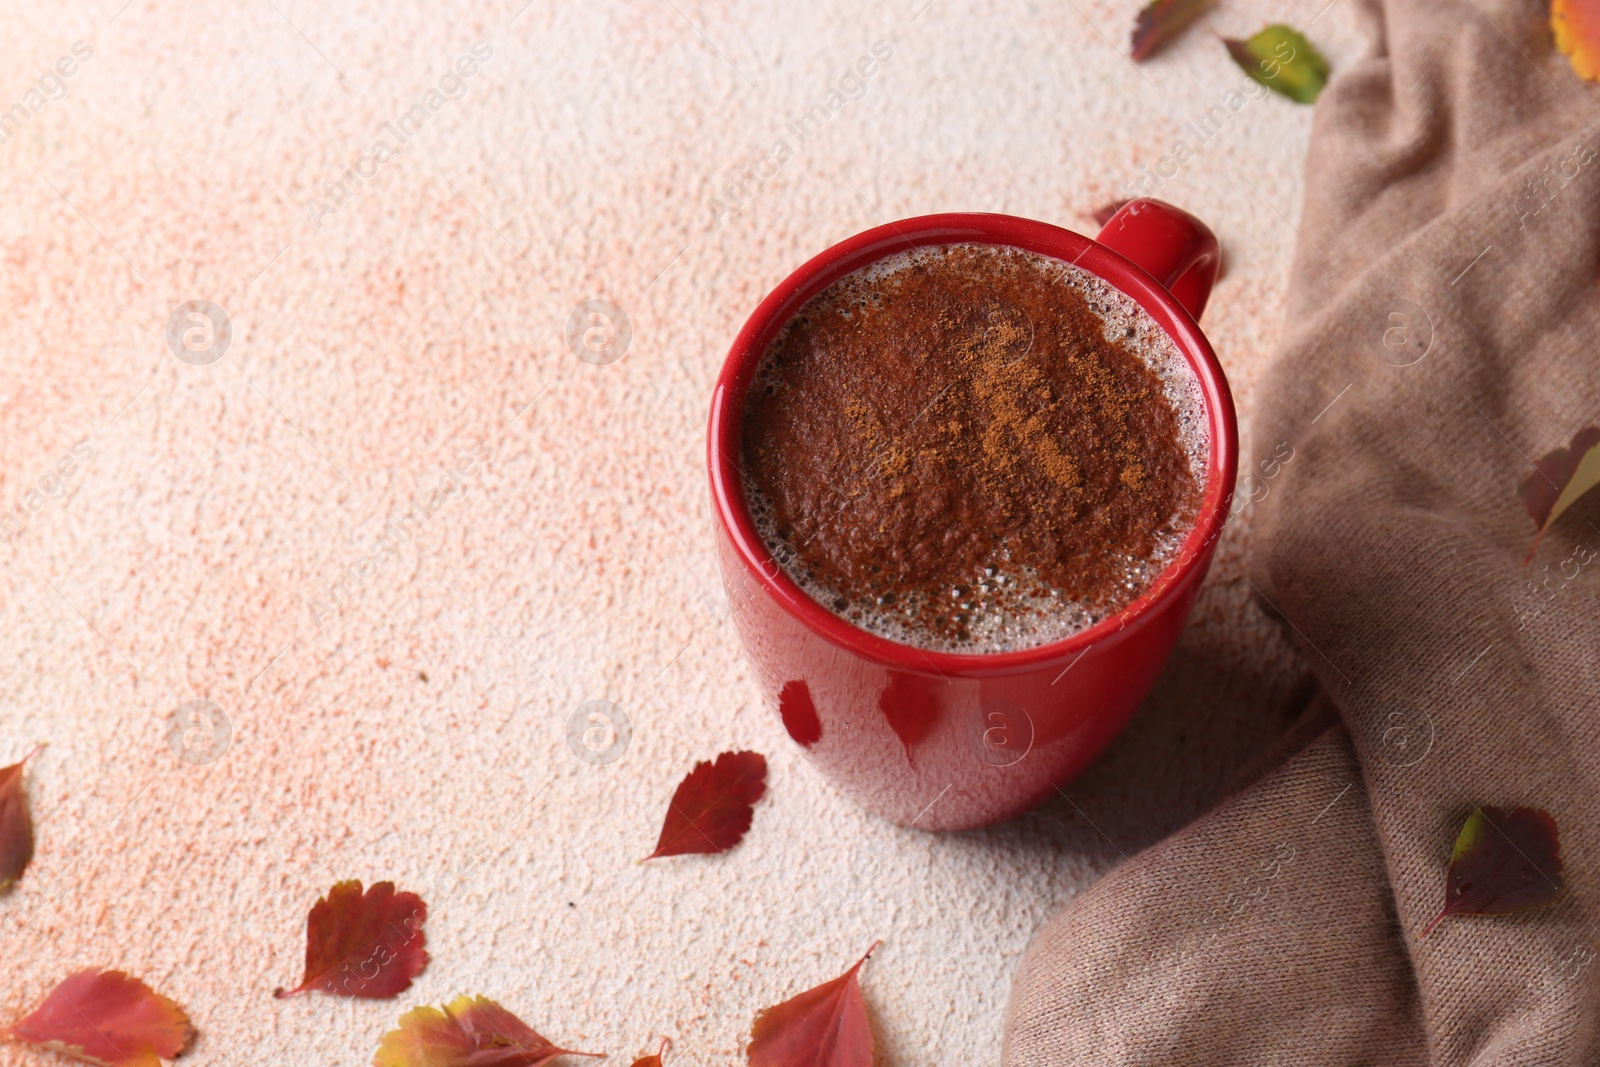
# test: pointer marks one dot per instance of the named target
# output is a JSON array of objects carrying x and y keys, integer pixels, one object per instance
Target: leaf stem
[
  {"x": 1437, "y": 919},
  {"x": 868, "y": 956},
  {"x": 37, "y": 748},
  {"x": 1533, "y": 548}
]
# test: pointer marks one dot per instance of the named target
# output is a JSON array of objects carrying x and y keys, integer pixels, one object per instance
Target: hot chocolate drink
[{"x": 973, "y": 448}]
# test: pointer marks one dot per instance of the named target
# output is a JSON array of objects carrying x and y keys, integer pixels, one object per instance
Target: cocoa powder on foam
[{"x": 949, "y": 450}]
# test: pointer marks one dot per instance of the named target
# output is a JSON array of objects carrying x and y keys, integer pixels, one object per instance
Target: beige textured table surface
[{"x": 386, "y": 331}]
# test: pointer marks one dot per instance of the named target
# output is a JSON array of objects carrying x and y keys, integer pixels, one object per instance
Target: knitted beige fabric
[{"x": 1441, "y": 335}]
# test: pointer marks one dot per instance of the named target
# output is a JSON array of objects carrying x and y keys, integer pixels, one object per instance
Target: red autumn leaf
[
  {"x": 16, "y": 825},
  {"x": 712, "y": 806},
  {"x": 653, "y": 1061},
  {"x": 822, "y": 1027},
  {"x": 1102, "y": 214},
  {"x": 1162, "y": 20},
  {"x": 799, "y": 713},
  {"x": 363, "y": 945},
  {"x": 469, "y": 1032},
  {"x": 106, "y": 1017},
  {"x": 1502, "y": 863},
  {"x": 1576, "y": 27},
  {"x": 1559, "y": 479}
]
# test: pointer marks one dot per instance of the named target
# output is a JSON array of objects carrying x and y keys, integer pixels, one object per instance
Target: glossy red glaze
[{"x": 936, "y": 739}]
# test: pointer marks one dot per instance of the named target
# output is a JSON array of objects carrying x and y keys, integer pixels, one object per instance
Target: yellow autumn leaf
[{"x": 1576, "y": 25}]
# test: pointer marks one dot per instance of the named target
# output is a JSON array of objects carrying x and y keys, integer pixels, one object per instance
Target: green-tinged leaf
[
  {"x": 1503, "y": 862},
  {"x": 1559, "y": 478},
  {"x": 1283, "y": 60}
]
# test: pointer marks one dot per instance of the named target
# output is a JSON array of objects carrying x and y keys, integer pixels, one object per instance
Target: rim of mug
[{"x": 869, "y": 246}]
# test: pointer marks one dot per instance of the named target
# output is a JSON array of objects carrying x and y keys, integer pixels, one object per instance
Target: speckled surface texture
[{"x": 419, "y": 734}]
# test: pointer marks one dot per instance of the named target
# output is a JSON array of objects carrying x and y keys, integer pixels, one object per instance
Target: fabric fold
[
  {"x": 1440, "y": 337},
  {"x": 1262, "y": 934}
]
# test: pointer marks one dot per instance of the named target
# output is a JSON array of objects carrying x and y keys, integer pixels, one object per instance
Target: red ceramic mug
[{"x": 950, "y": 741}]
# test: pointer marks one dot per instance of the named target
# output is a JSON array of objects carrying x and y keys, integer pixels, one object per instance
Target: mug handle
[{"x": 1176, "y": 248}]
